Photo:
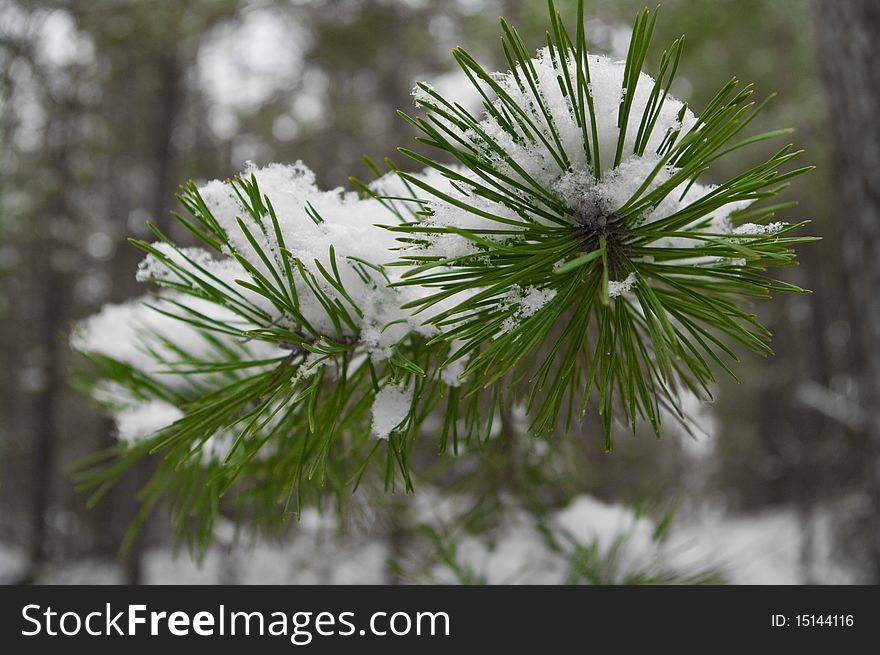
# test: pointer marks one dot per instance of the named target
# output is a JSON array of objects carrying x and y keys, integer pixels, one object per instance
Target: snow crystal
[
  {"x": 145, "y": 419},
  {"x": 575, "y": 185},
  {"x": 533, "y": 299},
  {"x": 391, "y": 184},
  {"x": 122, "y": 331},
  {"x": 441, "y": 213},
  {"x": 391, "y": 406},
  {"x": 616, "y": 288},
  {"x": 421, "y": 94},
  {"x": 528, "y": 302},
  {"x": 754, "y": 229}
]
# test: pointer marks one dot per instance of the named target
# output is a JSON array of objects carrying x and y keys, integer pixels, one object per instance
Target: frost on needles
[{"x": 575, "y": 256}]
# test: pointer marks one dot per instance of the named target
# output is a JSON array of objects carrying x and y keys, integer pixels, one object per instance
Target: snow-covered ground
[{"x": 764, "y": 548}]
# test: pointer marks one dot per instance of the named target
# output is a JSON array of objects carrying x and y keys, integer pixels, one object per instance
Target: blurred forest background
[{"x": 106, "y": 106}]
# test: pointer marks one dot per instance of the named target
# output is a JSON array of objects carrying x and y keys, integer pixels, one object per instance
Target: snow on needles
[
  {"x": 391, "y": 406},
  {"x": 527, "y": 302},
  {"x": 606, "y": 83},
  {"x": 144, "y": 419},
  {"x": 313, "y": 224},
  {"x": 135, "y": 334},
  {"x": 530, "y": 163},
  {"x": 616, "y": 288},
  {"x": 324, "y": 231}
]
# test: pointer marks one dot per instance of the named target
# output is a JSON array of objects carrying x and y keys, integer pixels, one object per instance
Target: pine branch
[{"x": 582, "y": 257}]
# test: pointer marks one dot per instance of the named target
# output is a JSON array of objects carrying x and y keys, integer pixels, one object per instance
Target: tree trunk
[
  {"x": 847, "y": 31},
  {"x": 51, "y": 293},
  {"x": 53, "y": 313},
  {"x": 169, "y": 74}
]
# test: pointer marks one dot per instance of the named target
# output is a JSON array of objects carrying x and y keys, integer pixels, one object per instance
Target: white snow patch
[
  {"x": 617, "y": 288},
  {"x": 348, "y": 225},
  {"x": 576, "y": 186},
  {"x": 391, "y": 406},
  {"x": 529, "y": 301},
  {"x": 753, "y": 229},
  {"x": 452, "y": 372},
  {"x": 145, "y": 419}
]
